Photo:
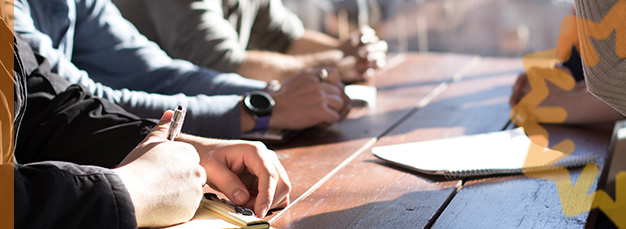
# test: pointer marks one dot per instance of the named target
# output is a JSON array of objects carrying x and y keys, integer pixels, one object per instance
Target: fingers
[
  {"x": 374, "y": 51},
  {"x": 337, "y": 103},
  {"x": 251, "y": 164},
  {"x": 267, "y": 188},
  {"x": 273, "y": 183},
  {"x": 281, "y": 196},
  {"x": 227, "y": 182},
  {"x": 363, "y": 36},
  {"x": 159, "y": 132},
  {"x": 332, "y": 75}
]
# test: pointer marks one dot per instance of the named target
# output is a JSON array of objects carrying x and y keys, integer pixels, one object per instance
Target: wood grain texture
[
  {"x": 518, "y": 201},
  {"x": 476, "y": 104},
  {"x": 368, "y": 193},
  {"x": 314, "y": 153}
]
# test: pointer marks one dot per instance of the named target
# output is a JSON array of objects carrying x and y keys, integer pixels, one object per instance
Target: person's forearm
[
  {"x": 313, "y": 41},
  {"x": 603, "y": 72},
  {"x": 267, "y": 66},
  {"x": 590, "y": 110}
]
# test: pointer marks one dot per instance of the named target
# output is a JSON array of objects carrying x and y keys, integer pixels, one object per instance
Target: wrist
[
  {"x": 259, "y": 105},
  {"x": 247, "y": 120},
  {"x": 129, "y": 179}
]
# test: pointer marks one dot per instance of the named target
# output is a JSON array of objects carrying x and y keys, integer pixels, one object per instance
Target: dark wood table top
[
  {"x": 313, "y": 154},
  {"x": 338, "y": 183}
]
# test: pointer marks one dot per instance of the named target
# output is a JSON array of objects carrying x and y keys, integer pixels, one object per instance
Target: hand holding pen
[{"x": 163, "y": 178}]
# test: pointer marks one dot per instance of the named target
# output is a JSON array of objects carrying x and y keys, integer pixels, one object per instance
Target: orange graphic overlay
[
  {"x": 6, "y": 117},
  {"x": 614, "y": 21},
  {"x": 575, "y": 197}
]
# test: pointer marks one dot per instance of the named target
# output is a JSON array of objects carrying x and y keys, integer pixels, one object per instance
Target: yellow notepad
[{"x": 216, "y": 213}]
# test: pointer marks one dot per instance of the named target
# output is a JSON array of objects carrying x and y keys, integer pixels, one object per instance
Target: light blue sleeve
[{"x": 115, "y": 62}]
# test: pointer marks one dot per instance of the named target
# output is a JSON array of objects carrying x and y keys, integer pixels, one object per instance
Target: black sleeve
[
  {"x": 76, "y": 127},
  {"x": 65, "y": 195},
  {"x": 575, "y": 65},
  {"x": 65, "y": 122}
]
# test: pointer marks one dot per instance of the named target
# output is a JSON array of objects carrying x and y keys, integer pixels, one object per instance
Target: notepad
[
  {"x": 361, "y": 95},
  {"x": 502, "y": 152},
  {"x": 218, "y": 213}
]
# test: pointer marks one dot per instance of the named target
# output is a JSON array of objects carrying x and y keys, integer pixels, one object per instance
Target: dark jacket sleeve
[
  {"x": 65, "y": 122},
  {"x": 66, "y": 195},
  {"x": 56, "y": 194}
]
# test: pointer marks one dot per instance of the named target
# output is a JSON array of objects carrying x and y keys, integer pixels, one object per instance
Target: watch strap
[{"x": 262, "y": 122}]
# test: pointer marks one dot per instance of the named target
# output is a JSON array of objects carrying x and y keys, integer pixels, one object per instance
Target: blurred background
[{"x": 503, "y": 28}]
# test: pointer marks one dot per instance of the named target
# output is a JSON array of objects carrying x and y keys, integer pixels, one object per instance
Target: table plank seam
[
  {"x": 456, "y": 77},
  {"x": 445, "y": 204},
  {"x": 324, "y": 179}
]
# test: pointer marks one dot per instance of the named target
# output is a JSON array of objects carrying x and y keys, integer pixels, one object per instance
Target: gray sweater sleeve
[
  {"x": 275, "y": 27},
  {"x": 211, "y": 34},
  {"x": 115, "y": 62},
  {"x": 603, "y": 49},
  {"x": 193, "y": 30}
]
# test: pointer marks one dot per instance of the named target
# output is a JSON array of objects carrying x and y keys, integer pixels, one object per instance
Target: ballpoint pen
[{"x": 177, "y": 123}]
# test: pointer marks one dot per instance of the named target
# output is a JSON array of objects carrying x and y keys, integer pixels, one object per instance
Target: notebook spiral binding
[{"x": 568, "y": 163}]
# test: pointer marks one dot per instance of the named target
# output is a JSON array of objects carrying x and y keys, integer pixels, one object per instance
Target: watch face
[{"x": 261, "y": 103}]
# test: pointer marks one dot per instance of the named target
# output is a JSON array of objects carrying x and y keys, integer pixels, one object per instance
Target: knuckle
[
  {"x": 273, "y": 175},
  {"x": 287, "y": 186},
  {"x": 260, "y": 146},
  {"x": 199, "y": 172}
]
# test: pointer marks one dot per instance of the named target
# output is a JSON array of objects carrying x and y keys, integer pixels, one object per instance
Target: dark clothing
[
  {"x": 64, "y": 122},
  {"x": 575, "y": 65}
]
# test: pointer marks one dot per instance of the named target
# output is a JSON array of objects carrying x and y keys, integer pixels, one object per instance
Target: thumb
[{"x": 159, "y": 132}]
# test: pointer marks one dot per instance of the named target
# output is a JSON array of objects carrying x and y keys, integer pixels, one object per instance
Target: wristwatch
[{"x": 259, "y": 104}]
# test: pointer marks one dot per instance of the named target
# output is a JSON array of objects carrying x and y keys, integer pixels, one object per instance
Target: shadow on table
[
  {"x": 411, "y": 210},
  {"x": 463, "y": 110}
]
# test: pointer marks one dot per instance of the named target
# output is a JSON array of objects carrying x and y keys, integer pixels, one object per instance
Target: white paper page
[{"x": 497, "y": 150}]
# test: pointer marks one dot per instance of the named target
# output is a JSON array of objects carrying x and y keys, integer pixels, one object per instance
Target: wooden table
[{"x": 338, "y": 183}]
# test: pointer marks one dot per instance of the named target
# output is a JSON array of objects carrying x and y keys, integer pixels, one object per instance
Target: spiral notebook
[{"x": 502, "y": 152}]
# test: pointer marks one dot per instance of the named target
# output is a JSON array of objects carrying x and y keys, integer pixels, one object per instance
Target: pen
[{"x": 177, "y": 123}]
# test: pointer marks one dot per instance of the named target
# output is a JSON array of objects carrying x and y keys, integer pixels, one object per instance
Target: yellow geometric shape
[
  {"x": 615, "y": 210},
  {"x": 568, "y": 37},
  {"x": 612, "y": 22}
]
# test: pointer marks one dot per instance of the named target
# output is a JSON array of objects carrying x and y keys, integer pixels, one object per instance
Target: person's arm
[
  {"x": 581, "y": 106},
  {"x": 65, "y": 121},
  {"x": 602, "y": 49},
  {"x": 66, "y": 195},
  {"x": 142, "y": 64},
  {"x": 277, "y": 29},
  {"x": 158, "y": 184},
  {"x": 193, "y": 30},
  {"x": 269, "y": 65}
]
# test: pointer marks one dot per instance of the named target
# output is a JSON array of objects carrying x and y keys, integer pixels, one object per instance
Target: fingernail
[{"x": 240, "y": 196}]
